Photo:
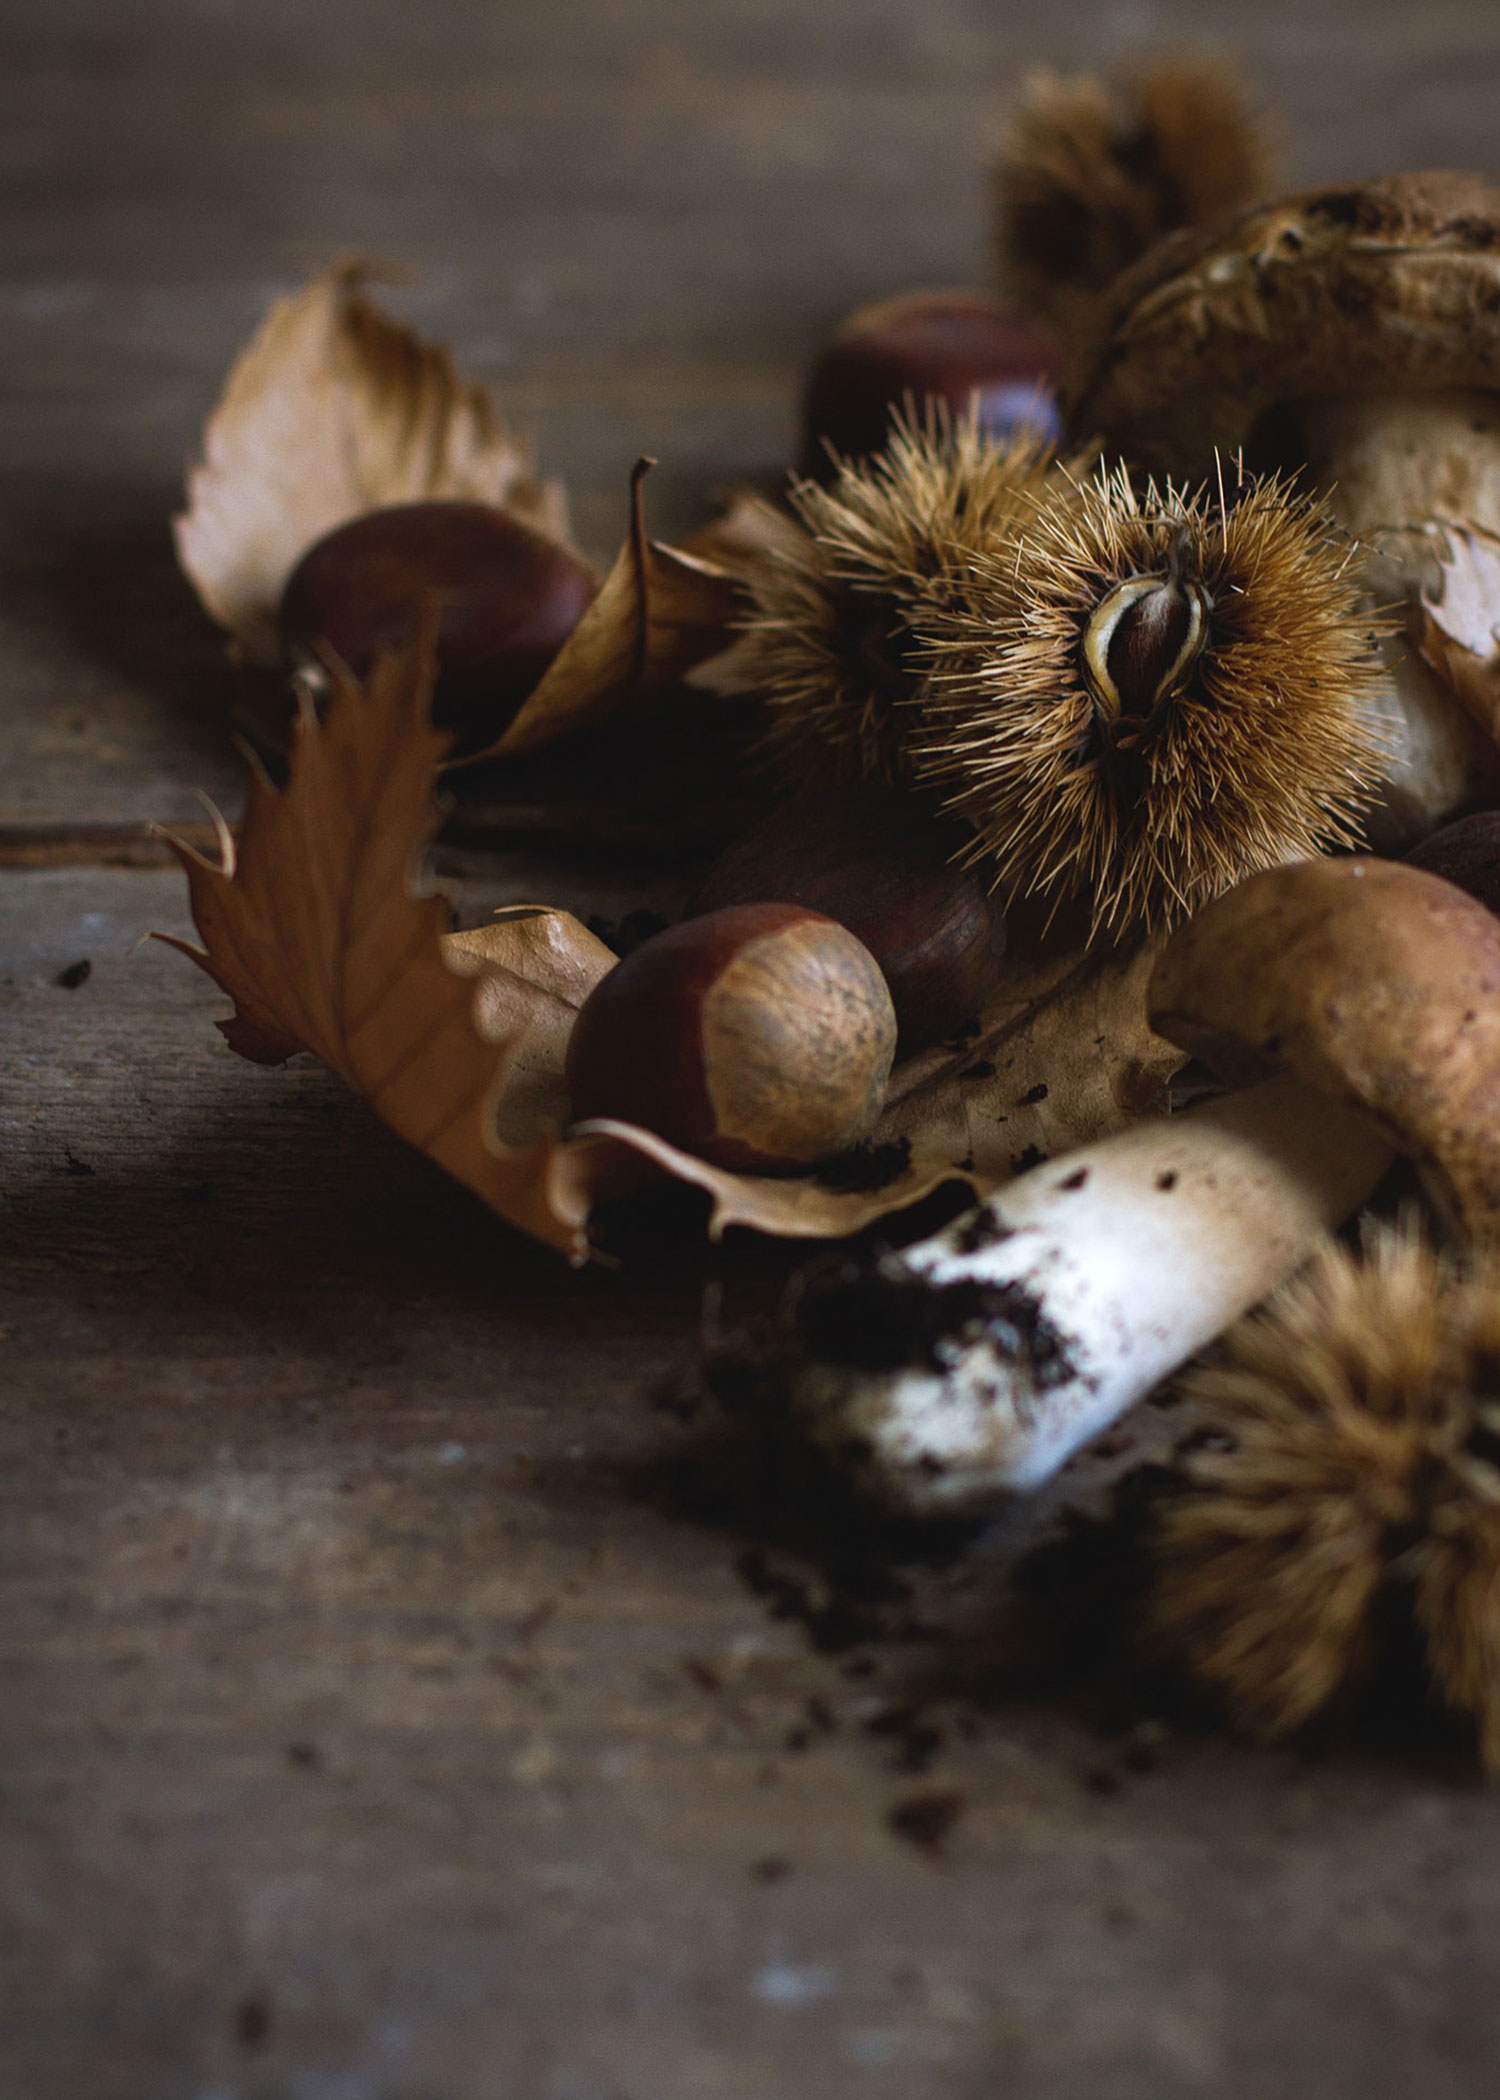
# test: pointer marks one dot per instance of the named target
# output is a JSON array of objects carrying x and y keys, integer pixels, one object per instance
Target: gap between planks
[{"x": 472, "y": 845}]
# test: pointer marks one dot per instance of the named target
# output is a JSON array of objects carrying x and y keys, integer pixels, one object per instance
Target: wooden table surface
[{"x": 379, "y": 1717}]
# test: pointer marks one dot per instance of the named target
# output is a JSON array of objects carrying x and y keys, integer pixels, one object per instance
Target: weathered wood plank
[
  {"x": 633, "y": 222},
  {"x": 372, "y": 1724}
]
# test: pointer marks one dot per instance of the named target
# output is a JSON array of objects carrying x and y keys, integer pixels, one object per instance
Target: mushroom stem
[
  {"x": 1402, "y": 459},
  {"x": 1396, "y": 466},
  {"x": 971, "y": 1365},
  {"x": 1438, "y": 758}
]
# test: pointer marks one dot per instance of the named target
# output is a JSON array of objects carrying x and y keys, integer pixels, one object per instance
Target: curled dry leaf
[
  {"x": 659, "y": 613},
  {"x": 1460, "y": 634},
  {"x": 535, "y": 967},
  {"x": 335, "y": 408},
  {"x": 314, "y": 926},
  {"x": 749, "y": 530}
]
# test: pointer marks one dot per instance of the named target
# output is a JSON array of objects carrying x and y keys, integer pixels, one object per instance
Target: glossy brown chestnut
[
  {"x": 955, "y": 347},
  {"x": 507, "y": 599},
  {"x": 759, "y": 1038},
  {"x": 877, "y": 860}
]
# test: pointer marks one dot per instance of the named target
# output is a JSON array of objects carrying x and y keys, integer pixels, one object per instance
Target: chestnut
[
  {"x": 879, "y": 861},
  {"x": 956, "y": 347},
  {"x": 508, "y": 599},
  {"x": 759, "y": 1038},
  {"x": 1465, "y": 853}
]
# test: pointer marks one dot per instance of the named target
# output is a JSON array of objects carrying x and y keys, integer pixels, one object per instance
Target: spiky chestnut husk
[
  {"x": 1238, "y": 737},
  {"x": 1357, "y": 1463},
  {"x": 829, "y": 642},
  {"x": 1095, "y": 171}
]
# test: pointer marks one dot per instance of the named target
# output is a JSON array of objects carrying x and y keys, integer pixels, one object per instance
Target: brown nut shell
[
  {"x": 507, "y": 599},
  {"x": 960, "y": 348},
  {"x": 759, "y": 1038},
  {"x": 1374, "y": 982},
  {"x": 876, "y": 859},
  {"x": 1465, "y": 853}
]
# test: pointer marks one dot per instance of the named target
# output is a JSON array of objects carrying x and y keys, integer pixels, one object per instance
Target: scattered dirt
[
  {"x": 252, "y": 2021},
  {"x": 927, "y": 1820},
  {"x": 865, "y": 1167}
]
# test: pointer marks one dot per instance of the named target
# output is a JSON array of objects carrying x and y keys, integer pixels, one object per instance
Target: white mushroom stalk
[
  {"x": 970, "y": 1366},
  {"x": 973, "y": 1364}
]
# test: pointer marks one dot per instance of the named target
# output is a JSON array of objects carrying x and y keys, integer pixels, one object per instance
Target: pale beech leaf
[{"x": 335, "y": 408}]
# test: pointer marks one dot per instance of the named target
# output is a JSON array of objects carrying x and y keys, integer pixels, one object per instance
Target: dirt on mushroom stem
[{"x": 983, "y": 1357}]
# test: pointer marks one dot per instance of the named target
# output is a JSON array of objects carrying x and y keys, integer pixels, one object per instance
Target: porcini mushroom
[
  {"x": 975, "y": 1362},
  {"x": 1353, "y": 332}
]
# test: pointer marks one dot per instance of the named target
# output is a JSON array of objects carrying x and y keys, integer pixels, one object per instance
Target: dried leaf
[
  {"x": 535, "y": 967},
  {"x": 313, "y": 926},
  {"x": 659, "y": 613},
  {"x": 1460, "y": 635},
  {"x": 1062, "y": 1054},
  {"x": 334, "y": 408},
  {"x": 787, "y": 1207},
  {"x": 749, "y": 530}
]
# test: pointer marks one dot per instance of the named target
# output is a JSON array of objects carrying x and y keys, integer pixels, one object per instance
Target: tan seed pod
[
  {"x": 1357, "y": 1459},
  {"x": 1095, "y": 171},
  {"x": 1150, "y": 696},
  {"x": 829, "y": 642}
]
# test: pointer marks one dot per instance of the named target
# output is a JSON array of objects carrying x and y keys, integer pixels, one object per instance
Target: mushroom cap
[
  {"x": 1371, "y": 981},
  {"x": 1376, "y": 287}
]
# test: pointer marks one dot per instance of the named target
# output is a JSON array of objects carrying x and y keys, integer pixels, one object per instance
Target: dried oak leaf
[
  {"x": 335, "y": 408},
  {"x": 1460, "y": 635},
  {"x": 312, "y": 923}
]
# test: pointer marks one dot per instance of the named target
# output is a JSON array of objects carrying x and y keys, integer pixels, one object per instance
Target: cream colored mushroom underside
[{"x": 1397, "y": 467}]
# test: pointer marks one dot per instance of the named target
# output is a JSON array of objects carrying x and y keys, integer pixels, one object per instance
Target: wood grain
[{"x": 378, "y": 1718}]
